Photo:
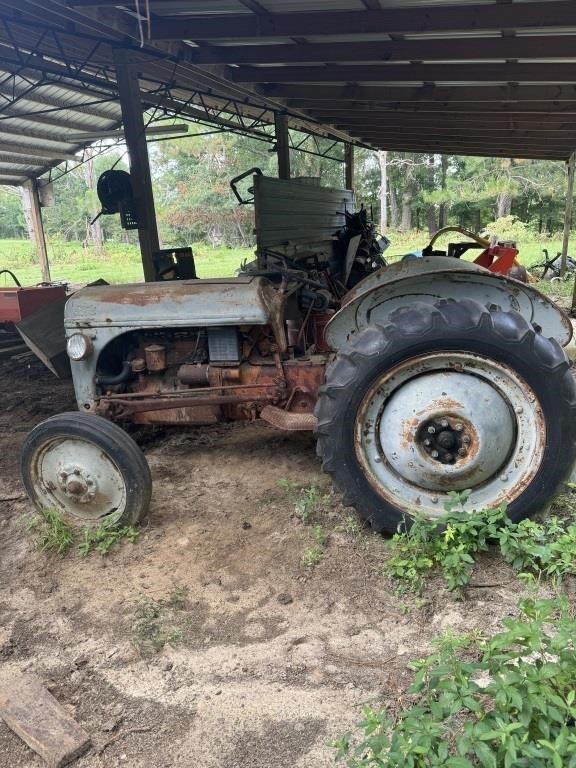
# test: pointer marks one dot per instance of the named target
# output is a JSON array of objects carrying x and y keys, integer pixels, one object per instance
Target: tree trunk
[
  {"x": 406, "y": 216},
  {"x": 383, "y": 161},
  {"x": 477, "y": 220},
  {"x": 443, "y": 212},
  {"x": 431, "y": 220},
  {"x": 503, "y": 204},
  {"x": 27, "y": 211},
  {"x": 394, "y": 219},
  {"x": 94, "y": 234}
]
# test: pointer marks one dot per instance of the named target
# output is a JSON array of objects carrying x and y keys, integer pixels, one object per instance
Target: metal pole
[
  {"x": 282, "y": 145},
  {"x": 349, "y": 166},
  {"x": 135, "y": 134},
  {"x": 568, "y": 213},
  {"x": 31, "y": 188}
]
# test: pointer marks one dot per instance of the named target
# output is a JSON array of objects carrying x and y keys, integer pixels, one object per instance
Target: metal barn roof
[{"x": 486, "y": 77}]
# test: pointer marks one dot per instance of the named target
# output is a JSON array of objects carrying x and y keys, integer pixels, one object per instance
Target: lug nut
[
  {"x": 434, "y": 454},
  {"x": 443, "y": 423},
  {"x": 427, "y": 442},
  {"x": 431, "y": 430},
  {"x": 462, "y": 452},
  {"x": 458, "y": 427},
  {"x": 465, "y": 439}
]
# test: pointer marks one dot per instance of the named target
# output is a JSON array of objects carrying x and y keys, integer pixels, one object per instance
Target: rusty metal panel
[
  {"x": 111, "y": 310},
  {"x": 181, "y": 303},
  {"x": 291, "y": 211}
]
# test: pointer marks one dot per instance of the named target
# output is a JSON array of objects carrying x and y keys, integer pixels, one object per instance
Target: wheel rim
[
  {"x": 79, "y": 479},
  {"x": 449, "y": 422}
]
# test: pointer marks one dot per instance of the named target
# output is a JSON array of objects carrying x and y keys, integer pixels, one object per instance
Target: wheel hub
[
  {"x": 449, "y": 421},
  {"x": 77, "y": 484},
  {"x": 444, "y": 440}
]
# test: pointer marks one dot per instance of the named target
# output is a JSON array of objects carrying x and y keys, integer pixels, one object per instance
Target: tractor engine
[{"x": 199, "y": 352}]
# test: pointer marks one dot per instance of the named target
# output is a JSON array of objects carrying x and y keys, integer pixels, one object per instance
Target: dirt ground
[{"x": 269, "y": 659}]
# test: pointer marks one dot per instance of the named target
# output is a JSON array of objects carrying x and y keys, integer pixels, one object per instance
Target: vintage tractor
[{"x": 423, "y": 377}]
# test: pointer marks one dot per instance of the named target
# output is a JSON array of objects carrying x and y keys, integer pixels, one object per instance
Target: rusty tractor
[{"x": 424, "y": 377}]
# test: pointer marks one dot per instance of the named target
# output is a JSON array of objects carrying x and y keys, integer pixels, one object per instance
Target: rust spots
[
  {"x": 443, "y": 406},
  {"x": 409, "y": 429}
]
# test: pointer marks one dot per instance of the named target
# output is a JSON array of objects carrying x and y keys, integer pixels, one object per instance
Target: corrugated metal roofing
[
  {"x": 36, "y": 118},
  {"x": 469, "y": 76}
]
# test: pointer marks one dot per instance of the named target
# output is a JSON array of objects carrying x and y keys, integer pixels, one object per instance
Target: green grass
[
  {"x": 159, "y": 622},
  {"x": 120, "y": 263},
  {"x": 530, "y": 250}
]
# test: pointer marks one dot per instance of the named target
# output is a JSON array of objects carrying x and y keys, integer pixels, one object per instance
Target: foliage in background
[
  {"x": 450, "y": 545},
  {"x": 503, "y": 702},
  {"x": 194, "y": 202}
]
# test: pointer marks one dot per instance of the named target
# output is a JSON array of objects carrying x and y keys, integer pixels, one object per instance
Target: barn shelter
[{"x": 491, "y": 78}]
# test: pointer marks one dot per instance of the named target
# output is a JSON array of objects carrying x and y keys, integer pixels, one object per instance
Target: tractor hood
[
  {"x": 182, "y": 303},
  {"x": 440, "y": 277}
]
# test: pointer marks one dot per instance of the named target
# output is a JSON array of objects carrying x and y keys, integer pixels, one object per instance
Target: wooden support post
[
  {"x": 282, "y": 145},
  {"x": 568, "y": 213},
  {"x": 134, "y": 132},
  {"x": 349, "y": 166},
  {"x": 33, "y": 214}
]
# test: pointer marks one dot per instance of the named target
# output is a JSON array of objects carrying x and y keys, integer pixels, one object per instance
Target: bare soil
[{"x": 269, "y": 659}]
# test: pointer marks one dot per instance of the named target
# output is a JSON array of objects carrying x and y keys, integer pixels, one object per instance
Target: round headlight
[{"x": 79, "y": 346}]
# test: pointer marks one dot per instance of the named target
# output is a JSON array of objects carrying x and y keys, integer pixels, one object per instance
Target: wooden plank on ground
[{"x": 35, "y": 715}]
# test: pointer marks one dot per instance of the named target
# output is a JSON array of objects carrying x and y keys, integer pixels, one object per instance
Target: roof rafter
[
  {"x": 390, "y": 20},
  {"x": 408, "y": 73},
  {"x": 459, "y": 49}
]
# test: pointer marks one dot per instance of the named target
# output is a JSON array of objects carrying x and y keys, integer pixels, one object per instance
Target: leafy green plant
[
  {"x": 351, "y": 525},
  {"x": 159, "y": 622},
  {"x": 450, "y": 545},
  {"x": 106, "y": 536},
  {"x": 504, "y": 702},
  {"x": 307, "y": 499},
  {"x": 315, "y": 554},
  {"x": 53, "y": 533}
]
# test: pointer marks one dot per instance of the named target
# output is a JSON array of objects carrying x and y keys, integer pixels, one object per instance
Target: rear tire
[
  {"x": 447, "y": 397},
  {"x": 86, "y": 468}
]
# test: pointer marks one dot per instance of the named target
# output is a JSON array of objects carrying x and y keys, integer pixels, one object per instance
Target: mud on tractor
[{"x": 431, "y": 375}]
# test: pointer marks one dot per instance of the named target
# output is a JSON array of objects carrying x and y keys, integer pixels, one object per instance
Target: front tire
[
  {"x": 86, "y": 468},
  {"x": 447, "y": 397}
]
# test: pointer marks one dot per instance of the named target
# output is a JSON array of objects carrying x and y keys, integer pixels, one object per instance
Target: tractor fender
[{"x": 440, "y": 277}]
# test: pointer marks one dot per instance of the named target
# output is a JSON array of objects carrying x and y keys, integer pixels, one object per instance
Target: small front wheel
[{"x": 86, "y": 468}]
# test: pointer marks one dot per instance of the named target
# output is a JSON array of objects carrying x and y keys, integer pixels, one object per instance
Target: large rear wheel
[
  {"x": 86, "y": 468},
  {"x": 447, "y": 397}
]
